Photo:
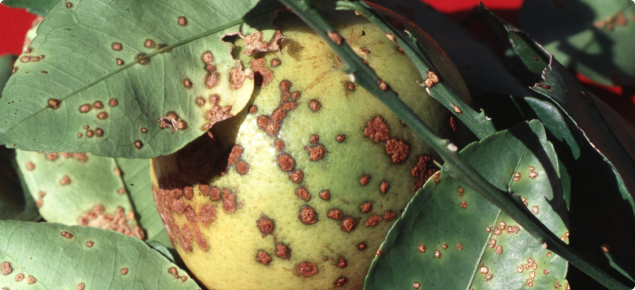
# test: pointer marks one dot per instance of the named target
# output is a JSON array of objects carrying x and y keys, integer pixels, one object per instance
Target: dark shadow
[
  {"x": 16, "y": 201},
  {"x": 583, "y": 21}
]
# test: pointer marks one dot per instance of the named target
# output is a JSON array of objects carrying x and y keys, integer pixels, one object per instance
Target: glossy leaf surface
[
  {"x": 136, "y": 69},
  {"x": 449, "y": 227}
]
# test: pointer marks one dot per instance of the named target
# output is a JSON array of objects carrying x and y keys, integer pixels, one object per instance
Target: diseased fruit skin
[{"x": 304, "y": 185}]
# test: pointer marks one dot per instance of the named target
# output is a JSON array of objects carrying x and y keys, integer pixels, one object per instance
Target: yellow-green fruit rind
[{"x": 237, "y": 249}]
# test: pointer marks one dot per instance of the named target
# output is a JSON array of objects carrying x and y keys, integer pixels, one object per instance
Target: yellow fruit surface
[{"x": 224, "y": 249}]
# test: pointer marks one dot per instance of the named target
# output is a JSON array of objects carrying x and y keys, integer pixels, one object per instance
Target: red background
[{"x": 14, "y": 24}]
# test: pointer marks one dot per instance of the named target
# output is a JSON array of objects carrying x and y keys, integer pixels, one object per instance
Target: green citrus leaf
[
  {"x": 449, "y": 227},
  {"x": 600, "y": 159},
  {"x": 79, "y": 189},
  {"x": 15, "y": 199},
  {"x": 152, "y": 76},
  {"x": 592, "y": 37},
  {"x": 37, "y": 7},
  {"x": 136, "y": 179},
  {"x": 55, "y": 256}
]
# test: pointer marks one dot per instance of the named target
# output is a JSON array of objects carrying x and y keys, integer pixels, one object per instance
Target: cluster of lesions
[
  {"x": 197, "y": 164},
  {"x": 398, "y": 151}
]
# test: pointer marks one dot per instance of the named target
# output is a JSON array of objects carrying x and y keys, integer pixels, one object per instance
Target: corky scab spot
[
  {"x": 6, "y": 268},
  {"x": 377, "y": 129},
  {"x": 315, "y": 105},
  {"x": 389, "y": 215},
  {"x": 262, "y": 74},
  {"x": 335, "y": 214},
  {"x": 283, "y": 251},
  {"x": 373, "y": 220},
  {"x": 422, "y": 171},
  {"x": 397, "y": 150},
  {"x": 315, "y": 152},
  {"x": 303, "y": 193},
  {"x": 384, "y": 187},
  {"x": 254, "y": 42},
  {"x": 98, "y": 218},
  {"x": 325, "y": 194},
  {"x": 348, "y": 224},
  {"x": 366, "y": 207},
  {"x": 307, "y": 269},
  {"x": 229, "y": 201},
  {"x": 265, "y": 225},
  {"x": 307, "y": 215},
  {"x": 263, "y": 257},
  {"x": 339, "y": 282},
  {"x": 364, "y": 179},
  {"x": 286, "y": 162},
  {"x": 296, "y": 176},
  {"x": 207, "y": 214}
]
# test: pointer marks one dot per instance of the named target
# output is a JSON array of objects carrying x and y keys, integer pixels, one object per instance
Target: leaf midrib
[
  {"x": 480, "y": 257},
  {"x": 147, "y": 56}
]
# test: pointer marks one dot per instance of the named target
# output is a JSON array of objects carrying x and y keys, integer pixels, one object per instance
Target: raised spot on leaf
[
  {"x": 19, "y": 277},
  {"x": 120, "y": 61},
  {"x": 307, "y": 269},
  {"x": 457, "y": 109},
  {"x": 432, "y": 79},
  {"x": 142, "y": 59},
  {"x": 54, "y": 103},
  {"x": 90, "y": 133},
  {"x": 69, "y": 5},
  {"x": 113, "y": 102},
  {"x": 535, "y": 210},
  {"x": 182, "y": 21},
  {"x": 6, "y": 268},
  {"x": 84, "y": 108},
  {"x": 80, "y": 286},
  {"x": 124, "y": 271},
  {"x": 149, "y": 43},
  {"x": 361, "y": 246},
  {"x": 499, "y": 249},
  {"x": 25, "y": 58},
  {"x": 138, "y": 144},
  {"x": 30, "y": 280},
  {"x": 117, "y": 46},
  {"x": 437, "y": 254},
  {"x": 416, "y": 285}
]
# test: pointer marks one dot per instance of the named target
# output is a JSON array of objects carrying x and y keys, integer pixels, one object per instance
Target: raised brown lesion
[
  {"x": 120, "y": 222},
  {"x": 377, "y": 129},
  {"x": 423, "y": 170}
]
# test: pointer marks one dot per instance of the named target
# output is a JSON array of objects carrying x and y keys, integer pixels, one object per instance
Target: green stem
[{"x": 454, "y": 165}]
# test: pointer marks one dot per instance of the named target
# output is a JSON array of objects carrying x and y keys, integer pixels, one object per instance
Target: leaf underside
[{"x": 450, "y": 218}]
